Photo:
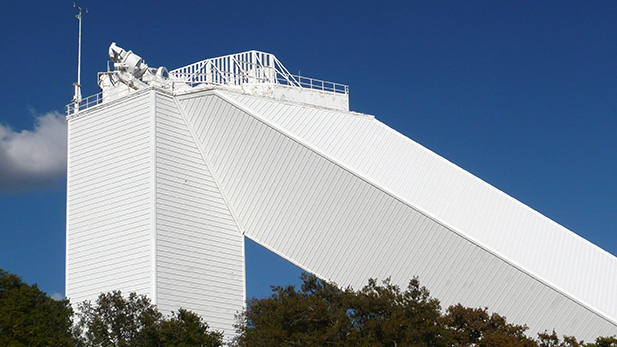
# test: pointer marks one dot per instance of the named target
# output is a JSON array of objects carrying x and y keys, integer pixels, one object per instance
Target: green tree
[
  {"x": 314, "y": 315},
  {"x": 115, "y": 321},
  {"x": 385, "y": 316},
  {"x": 28, "y": 317},
  {"x": 475, "y": 327},
  {"x": 186, "y": 329},
  {"x": 553, "y": 340},
  {"x": 604, "y": 342},
  {"x": 321, "y": 314}
]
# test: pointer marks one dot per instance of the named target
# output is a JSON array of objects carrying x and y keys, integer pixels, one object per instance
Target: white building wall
[
  {"x": 108, "y": 204},
  {"x": 145, "y": 215},
  {"x": 337, "y": 223},
  {"x": 451, "y": 195},
  {"x": 200, "y": 250},
  {"x": 161, "y": 188}
]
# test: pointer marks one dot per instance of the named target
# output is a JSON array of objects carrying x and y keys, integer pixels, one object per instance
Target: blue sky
[{"x": 522, "y": 94}]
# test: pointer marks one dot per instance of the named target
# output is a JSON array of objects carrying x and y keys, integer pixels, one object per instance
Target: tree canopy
[
  {"x": 319, "y": 313},
  {"x": 322, "y": 314},
  {"x": 135, "y": 322},
  {"x": 28, "y": 317}
]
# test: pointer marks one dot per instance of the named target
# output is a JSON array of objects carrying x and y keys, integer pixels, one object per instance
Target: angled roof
[{"x": 346, "y": 197}]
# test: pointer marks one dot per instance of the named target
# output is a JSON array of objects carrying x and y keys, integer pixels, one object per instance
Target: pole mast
[{"x": 77, "y": 97}]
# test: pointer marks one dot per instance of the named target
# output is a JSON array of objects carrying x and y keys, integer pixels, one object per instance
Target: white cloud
[
  {"x": 57, "y": 296},
  {"x": 33, "y": 159}
]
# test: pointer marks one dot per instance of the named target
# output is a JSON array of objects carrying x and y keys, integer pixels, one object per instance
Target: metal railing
[
  {"x": 312, "y": 83},
  {"x": 90, "y": 101},
  {"x": 97, "y": 99},
  {"x": 252, "y": 67}
]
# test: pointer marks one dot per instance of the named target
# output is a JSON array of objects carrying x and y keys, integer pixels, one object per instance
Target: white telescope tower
[{"x": 168, "y": 172}]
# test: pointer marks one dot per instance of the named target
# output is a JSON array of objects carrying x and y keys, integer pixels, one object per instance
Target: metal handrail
[
  {"x": 223, "y": 78},
  {"x": 249, "y": 67},
  {"x": 96, "y": 99},
  {"x": 234, "y": 70},
  {"x": 83, "y": 104}
]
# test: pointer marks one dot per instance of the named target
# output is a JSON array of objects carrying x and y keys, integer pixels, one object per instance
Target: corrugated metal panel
[
  {"x": 108, "y": 205},
  {"x": 423, "y": 179},
  {"x": 200, "y": 251},
  {"x": 328, "y": 218}
]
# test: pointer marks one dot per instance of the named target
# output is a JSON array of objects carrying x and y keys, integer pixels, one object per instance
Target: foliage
[
  {"x": 475, "y": 327},
  {"x": 319, "y": 314},
  {"x": 385, "y": 316},
  {"x": 322, "y": 314},
  {"x": 315, "y": 315},
  {"x": 552, "y": 340},
  {"x": 134, "y": 321},
  {"x": 186, "y": 329},
  {"x": 604, "y": 342},
  {"x": 28, "y": 317}
]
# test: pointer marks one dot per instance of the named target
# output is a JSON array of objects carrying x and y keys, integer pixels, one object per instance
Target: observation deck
[{"x": 252, "y": 72}]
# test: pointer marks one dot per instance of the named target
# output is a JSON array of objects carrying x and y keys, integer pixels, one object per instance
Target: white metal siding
[
  {"x": 108, "y": 207},
  {"x": 200, "y": 255},
  {"x": 452, "y": 195},
  {"x": 342, "y": 226},
  {"x": 338, "y": 193}
]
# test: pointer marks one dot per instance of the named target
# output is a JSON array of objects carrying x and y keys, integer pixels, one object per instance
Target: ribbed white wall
[
  {"x": 200, "y": 254},
  {"x": 108, "y": 204},
  {"x": 145, "y": 215},
  {"x": 452, "y": 195},
  {"x": 340, "y": 224},
  {"x": 159, "y": 195}
]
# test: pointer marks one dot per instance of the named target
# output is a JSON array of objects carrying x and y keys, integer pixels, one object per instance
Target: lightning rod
[{"x": 77, "y": 97}]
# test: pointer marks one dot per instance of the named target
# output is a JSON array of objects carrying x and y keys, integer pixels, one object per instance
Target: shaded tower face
[
  {"x": 168, "y": 174},
  {"x": 146, "y": 215}
]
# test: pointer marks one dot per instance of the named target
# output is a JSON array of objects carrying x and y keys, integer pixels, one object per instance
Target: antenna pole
[{"x": 77, "y": 97}]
